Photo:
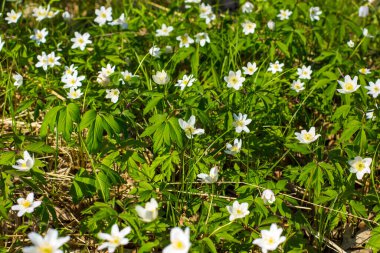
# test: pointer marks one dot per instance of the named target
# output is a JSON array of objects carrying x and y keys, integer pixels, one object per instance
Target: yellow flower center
[
  {"x": 189, "y": 130},
  {"x": 103, "y": 15},
  {"x": 233, "y": 80},
  {"x": 360, "y": 166},
  {"x": 47, "y": 248},
  {"x": 235, "y": 149},
  {"x": 376, "y": 89},
  {"x": 115, "y": 240},
  {"x": 349, "y": 86},
  {"x": 26, "y": 204},
  {"x": 80, "y": 40},
  {"x": 184, "y": 39},
  {"x": 178, "y": 244},
  {"x": 24, "y": 165},
  {"x": 240, "y": 123},
  {"x": 308, "y": 137},
  {"x": 238, "y": 211},
  {"x": 270, "y": 240}
]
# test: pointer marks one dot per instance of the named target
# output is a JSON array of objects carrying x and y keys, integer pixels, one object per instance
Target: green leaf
[
  {"x": 39, "y": 147},
  {"x": 374, "y": 241},
  {"x": 350, "y": 129},
  {"x": 7, "y": 158},
  {"x": 110, "y": 125},
  {"x": 283, "y": 47},
  {"x": 341, "y": 112},
  {"x": 152, "y": 103},
  {"x": 50, "y": 120},
  {"x": 210, "y": 244},
  {"x": 102, "y": 185},
  {"x": 358, "y": 208},
  {"x": 87, "y": 119}
]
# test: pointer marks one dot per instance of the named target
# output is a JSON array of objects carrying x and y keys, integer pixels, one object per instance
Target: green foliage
[{"x": 119, "y": 144}]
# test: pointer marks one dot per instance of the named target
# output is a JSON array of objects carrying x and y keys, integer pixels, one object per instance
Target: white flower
[
  {"x": 164, "y": 31},
  {"x": 373, "y": 88},
  {"x": 161, "y": 77},
  {"x": 127, "y": 76},
  {"x": 304, "y": 72},
  {"x": 18, "y": 79},
  {"x": 74, "y": 93},
  {"x": 209, "y": 17},
  {"x": 349, "y": 85},
  {"x": 40, "y": 13},
  {"x": 73, "y": 81},
  {"x": 168, "y": 50},
  {"x": 24, "y": 164},
  {"x": 1, "y": 44},
  {"x": 250, "y": 69},
  {"x": 307, "y": 136},
  {"x": 67, "y": 16},
  {"x": 364, "y": 71},
  {"x": 268, "y": 196},
  {"x": 363, "y": 11},
  {"x": 237, "y": 210},
  {"x": 39, "y": 35},
  {"x": 314, "y": 13},
  {"x": 212, "y": 178},
  {"x": 42, "y": 61},
  {"x": 12, "y": 17},
  {"x": 102, "y": 79},
  {"x": 52, "y": 60},
  {"x": 297, "y": 86},
  {"x": 115, "y": 239},
  {"x": 205, "y": 10},
  {"x": 103, "y": 15},
  {"x": 370, "y": 114},
  {"x": 360, "y": 166},
  {"x": 80, "y": 40},
  {"x": 121, "y": 21},
  {"x": 150, "y": 212},
  {"x": 186, "y": 81},
  {"x": 69, "y": 71},
  {"x": 270, "y": 239},
  {"x": 189, "y": 127},
  {"x": 179, "y": 241},
  {"x": 366, "y": 34},
  {"x": 284, "y": 14},
  {"x": 350, "y": 43},
  {"x": 271, "y": 24},
  {"x": 275, "y": 67},
  {"x": 48, "y": 244},
  {"x": 247, "y": 7},
  {"x": 155, "y": 51},
  {"x": 248, "y": 27},
  {"x": 234, "y": 80},
  {"x": 241, "y": 122},
  {"x": 113, "y": 94},
  {"x": 26, "y": 205},
  {"x": 108, "y": 70},
  {"x": 233, "y": 150},
  {"x": 50, "y": 13},
  {"x": 202, "y": 38},
  {"x": 185, "y": 40}
]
